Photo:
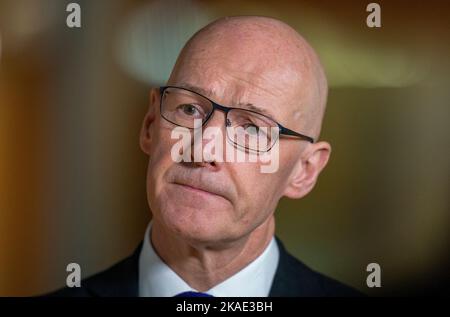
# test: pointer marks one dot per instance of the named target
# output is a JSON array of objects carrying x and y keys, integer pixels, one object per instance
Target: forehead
[{"x": 254, "y": 85}]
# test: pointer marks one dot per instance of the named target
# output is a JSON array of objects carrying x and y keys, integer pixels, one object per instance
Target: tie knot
[{"x": 193, "y": 294}]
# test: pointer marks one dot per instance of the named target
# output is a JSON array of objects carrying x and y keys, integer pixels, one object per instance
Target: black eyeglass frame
[{"x": 216, "y": 106}]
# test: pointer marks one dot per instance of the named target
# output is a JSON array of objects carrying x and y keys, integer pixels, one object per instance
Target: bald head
[{"x": 239, "y": 58}]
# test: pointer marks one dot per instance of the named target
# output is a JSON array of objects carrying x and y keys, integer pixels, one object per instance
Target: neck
[{"x": 205, "y": 267}]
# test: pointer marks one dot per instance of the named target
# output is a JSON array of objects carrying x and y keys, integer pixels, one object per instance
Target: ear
[
  {"x": 145, "y": 137},
  {"x": 310, "y": 164}
]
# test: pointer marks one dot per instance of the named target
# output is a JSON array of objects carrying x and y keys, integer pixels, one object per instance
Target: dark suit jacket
[{"x": 292, "y": 279}]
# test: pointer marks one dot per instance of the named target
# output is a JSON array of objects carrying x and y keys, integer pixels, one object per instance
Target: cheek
[
  {"x": 258, "y": 192},
  {"x": 159, "y": 162}
]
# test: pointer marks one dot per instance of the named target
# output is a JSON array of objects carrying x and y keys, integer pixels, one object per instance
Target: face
[{"x": 219, "y": 202}]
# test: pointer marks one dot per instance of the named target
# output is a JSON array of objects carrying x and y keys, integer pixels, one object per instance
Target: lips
[
  {"x": 196, "y": 179},
  {"x": 198, "y": 187}
]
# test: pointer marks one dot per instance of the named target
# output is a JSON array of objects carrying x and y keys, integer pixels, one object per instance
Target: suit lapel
[
  {"x": 287, "y": 275},
  {"x": 121, "y": 280}
]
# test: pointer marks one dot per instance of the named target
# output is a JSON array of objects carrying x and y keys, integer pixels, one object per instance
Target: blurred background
[{"x": 72, "y": 176}]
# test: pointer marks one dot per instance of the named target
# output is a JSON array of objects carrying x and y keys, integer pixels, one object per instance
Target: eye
[
  {"x": 252, "y": 129},
  {"x": 190, "y": 110}
]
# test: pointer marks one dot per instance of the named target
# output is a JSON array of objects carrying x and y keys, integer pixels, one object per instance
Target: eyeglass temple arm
[{"x": 287, "y": 131}]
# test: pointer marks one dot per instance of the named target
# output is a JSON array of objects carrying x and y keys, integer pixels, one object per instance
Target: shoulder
[
  {"x": 120, "y": 279},
  {"x": 294, "y": 278}
]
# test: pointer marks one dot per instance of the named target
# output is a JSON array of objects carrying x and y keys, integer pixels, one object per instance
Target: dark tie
[{"x": 193, "y": 294}]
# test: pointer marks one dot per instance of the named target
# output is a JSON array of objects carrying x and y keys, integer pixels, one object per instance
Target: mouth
[{"x": 197, "y": 190}]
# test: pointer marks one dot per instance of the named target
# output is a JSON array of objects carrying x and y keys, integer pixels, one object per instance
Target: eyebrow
[{"x": 209, "y": 92}]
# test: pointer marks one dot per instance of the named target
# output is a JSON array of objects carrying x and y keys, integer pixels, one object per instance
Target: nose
[
  {"x": 204, "y": 143},
  {"x": 217, "y": 119}
]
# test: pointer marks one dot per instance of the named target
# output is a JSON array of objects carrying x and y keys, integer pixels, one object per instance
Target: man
[{"x": 212, "y": 232}]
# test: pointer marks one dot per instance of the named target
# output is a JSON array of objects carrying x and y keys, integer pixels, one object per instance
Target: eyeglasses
[{"x": 245, "y": 128}]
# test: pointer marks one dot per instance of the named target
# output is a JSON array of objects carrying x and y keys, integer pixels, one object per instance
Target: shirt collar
[{"x": 157, "y": 279}]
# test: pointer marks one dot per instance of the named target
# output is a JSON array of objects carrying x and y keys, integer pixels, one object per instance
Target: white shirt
[{"x": 157, "y": 279}]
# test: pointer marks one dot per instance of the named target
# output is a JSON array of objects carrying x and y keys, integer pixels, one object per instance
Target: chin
[
  {"x": 196, "y": 219},
  {"x": 197, "y": 225}
]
